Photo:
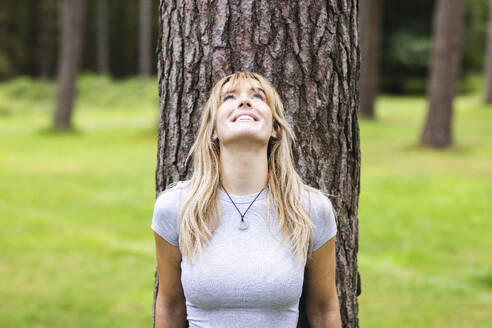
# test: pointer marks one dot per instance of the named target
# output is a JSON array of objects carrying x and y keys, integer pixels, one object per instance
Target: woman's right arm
[{"x": 170, "y": 308}]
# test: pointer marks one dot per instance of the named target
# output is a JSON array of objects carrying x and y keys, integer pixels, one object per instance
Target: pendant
[{"x": 243, "y": 225}]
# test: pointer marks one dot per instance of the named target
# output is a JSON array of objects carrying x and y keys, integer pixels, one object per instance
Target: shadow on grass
[
  {"x": 52, "y": 131},
  {"x": 484, "y": 280},
  {"x": 455, "y": 148}
]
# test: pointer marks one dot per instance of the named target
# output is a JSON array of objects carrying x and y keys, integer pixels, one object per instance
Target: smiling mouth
[
  {"x": 244, "y": 118},
  {"x": 244, "y": 121}
]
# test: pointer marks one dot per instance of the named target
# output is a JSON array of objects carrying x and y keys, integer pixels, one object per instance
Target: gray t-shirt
[{"x": 243, "y": 278}]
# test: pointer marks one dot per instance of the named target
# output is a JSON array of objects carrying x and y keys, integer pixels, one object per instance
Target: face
[{"x": 243, "y": 116}]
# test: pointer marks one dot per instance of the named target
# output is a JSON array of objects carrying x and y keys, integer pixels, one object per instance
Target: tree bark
[
  {"x": 309, "y": 50},
  {"x": 102, "y": 37},
  {"x": 448, "y": 29},
  {"x": 488, "y": 59},
  {"x": 370, "y": 39},
  {"x": 72, "y": 27},
  {"x": 145, "y": 38}
]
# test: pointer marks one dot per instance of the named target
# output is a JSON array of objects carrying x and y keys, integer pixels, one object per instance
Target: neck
[{"x": 243, "y": 170}]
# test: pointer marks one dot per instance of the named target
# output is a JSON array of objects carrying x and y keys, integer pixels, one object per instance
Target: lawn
[{"x": 76, "y": 249}]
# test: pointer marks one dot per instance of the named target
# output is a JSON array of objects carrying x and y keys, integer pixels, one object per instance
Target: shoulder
[
  {"x": 317, "y": 202},
  {"x": 171, "y": 196}
]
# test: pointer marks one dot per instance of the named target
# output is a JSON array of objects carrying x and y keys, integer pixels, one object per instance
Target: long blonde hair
[{"x": 199, "y": 215}]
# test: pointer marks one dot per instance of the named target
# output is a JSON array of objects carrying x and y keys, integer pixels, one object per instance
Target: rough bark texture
[
  {"x": 309, "y": 50},
  {"x": 72, "y": 27},
  {"x": 370, "y": 36},
  {"x": 488, "y": 59},
  {"x": 448, "y": 28},
  {"x": 145, "y": 37},
  {"x": 102, "y": 37}
]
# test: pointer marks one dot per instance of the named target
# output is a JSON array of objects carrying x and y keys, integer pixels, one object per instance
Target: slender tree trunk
[
  {"x": 72, "y": 27},
  {"x": 370, "y": 36},
  {"x": 488, "y": 59},
  {"x": 33, "y": 24},
  {"x": 309, "y": 50},
  {"x": 46, "y": 29},
  {"x": 145, "y": 38},
  {"x": 102, "y": 37},
  {"x": 448, "y": 28}
]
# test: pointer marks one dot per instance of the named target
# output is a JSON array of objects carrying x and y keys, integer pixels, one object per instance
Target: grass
[
  {"x": 425, "y": 218},
  {"x": 76, "y": 248}
]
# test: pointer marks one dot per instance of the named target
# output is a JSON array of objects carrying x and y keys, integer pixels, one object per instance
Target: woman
[{"x": 232, "y": 242}]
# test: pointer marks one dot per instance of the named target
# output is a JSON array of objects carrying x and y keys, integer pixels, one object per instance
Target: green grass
[
  {"x": 76, "y": 249},
  {"x": 425, "y": 218}
]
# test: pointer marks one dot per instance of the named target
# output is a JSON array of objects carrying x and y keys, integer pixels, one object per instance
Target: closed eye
[{"x": 231, "y": 96}]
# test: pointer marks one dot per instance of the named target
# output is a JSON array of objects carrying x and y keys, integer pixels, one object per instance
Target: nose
[{"x": 245, "y": 103}]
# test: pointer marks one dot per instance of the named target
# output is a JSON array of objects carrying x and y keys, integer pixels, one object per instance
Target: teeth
[{"x": 244, "y": 118}]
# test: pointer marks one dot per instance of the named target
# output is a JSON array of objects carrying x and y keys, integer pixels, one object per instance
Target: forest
[{"x": 390, "y": 102}]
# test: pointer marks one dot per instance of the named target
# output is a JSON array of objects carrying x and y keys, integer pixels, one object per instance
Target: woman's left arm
[{"x": 322, "y": 307}]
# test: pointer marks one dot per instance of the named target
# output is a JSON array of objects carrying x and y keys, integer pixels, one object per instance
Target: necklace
[{"x": 243, "y": 225}]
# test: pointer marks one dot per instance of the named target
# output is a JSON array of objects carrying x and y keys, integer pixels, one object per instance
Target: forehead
[{"x": 239, "y": 84}]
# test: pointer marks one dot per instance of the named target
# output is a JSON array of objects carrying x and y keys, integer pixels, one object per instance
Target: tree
[
  {"x": 488, "y": 59},
  {"x": 309, "y": 50},
  {"x": 46, "y": 28},
  {"x": 145, "y": 38},
  {"x": 445, "y": 63},
  {"x": 102, "y": 37},
  {"x": 370, "y": 36},
  {"x": 72, "y": 26}
]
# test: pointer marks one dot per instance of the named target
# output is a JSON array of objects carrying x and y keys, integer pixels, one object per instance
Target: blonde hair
[{"x": 199, "y": 215}]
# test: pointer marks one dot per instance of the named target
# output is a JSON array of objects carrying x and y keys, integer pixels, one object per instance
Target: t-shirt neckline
[{"x": 242, "y": 199}]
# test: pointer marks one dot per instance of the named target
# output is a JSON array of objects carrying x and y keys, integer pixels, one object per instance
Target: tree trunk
[
  {"x": 46, "y": 30},
  {"x": 309, "y": 50},
  {"x": 102, "y": 37},
  {"x": 370, "y": 36},
  {"x": 145, "y": 38},
  {"x": 448, "y": 28},
  {"x": 488, "y": 59},
  {"x": 72, "y": 27}
]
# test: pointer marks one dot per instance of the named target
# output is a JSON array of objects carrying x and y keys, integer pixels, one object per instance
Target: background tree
[
  {"x": 445, "y": 64},
  {"x": 309, "y": 50},
  {"x": 72, "y": 25},
  {"x": 488, "y": 58},
  {"x": 43, "y": 25},
  {"x": 144, "y": 40},
  {"x": 102, "y": 37},
  {"x": 370, "y": 36}
]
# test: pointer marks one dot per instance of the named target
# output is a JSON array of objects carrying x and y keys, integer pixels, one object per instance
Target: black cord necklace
[{"x": 243, "y": 225}]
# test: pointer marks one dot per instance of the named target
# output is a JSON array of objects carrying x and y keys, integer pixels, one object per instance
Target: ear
[{"x": 274, "y": 134}]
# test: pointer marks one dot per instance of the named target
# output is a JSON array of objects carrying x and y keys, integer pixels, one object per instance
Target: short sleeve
[
  {"x": 165, "y": 217},
  {"x": 323, "y": 219}
]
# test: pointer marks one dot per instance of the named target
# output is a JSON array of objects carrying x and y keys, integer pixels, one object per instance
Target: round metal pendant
[{"x": 243, "y": 225}]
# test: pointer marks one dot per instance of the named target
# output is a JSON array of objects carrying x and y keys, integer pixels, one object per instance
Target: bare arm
[
  {"x": 170, "y": 308},
  {"x": 322, "y": 306}
]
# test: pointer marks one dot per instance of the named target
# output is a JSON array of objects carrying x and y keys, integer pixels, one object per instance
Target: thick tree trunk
[
  {"x": 448, "y": 28},
  {"x": 309, "y": 50},
  {"x": 145, "y": 38},
  {"x": 102, "y": 37},
  {"x": 72, "y": 27},
  {"x": 370, "y": 36},
  {"x": 488, "y": 59}
]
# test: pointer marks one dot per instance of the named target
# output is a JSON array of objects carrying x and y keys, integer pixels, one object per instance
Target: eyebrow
[{"x": 250, "y": 89}]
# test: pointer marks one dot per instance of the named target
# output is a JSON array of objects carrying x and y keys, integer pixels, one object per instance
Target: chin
[{"x": 246, "y": 138}]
